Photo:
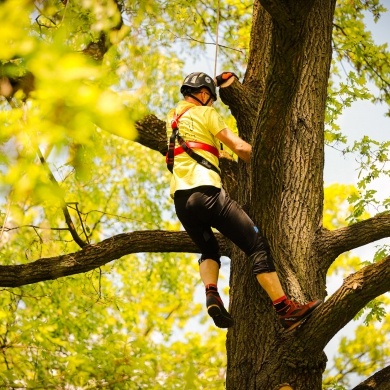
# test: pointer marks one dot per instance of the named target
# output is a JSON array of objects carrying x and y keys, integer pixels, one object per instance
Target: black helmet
[{"x": 197, "y": 80}]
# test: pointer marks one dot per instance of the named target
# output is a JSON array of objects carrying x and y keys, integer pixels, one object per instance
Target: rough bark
[{"x": 379, "y": 381}]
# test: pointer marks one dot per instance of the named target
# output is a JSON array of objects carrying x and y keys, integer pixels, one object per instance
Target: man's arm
[{"x": 235, "y": 143}]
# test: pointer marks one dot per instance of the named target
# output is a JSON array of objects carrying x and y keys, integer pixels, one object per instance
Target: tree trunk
[{"x": 291, "y": 65}]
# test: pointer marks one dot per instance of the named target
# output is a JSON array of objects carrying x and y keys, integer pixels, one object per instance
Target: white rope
[{"x": 216, "y": 41}]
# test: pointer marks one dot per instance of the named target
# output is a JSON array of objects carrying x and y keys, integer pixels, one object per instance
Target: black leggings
[{"x": 201, "y": 208}]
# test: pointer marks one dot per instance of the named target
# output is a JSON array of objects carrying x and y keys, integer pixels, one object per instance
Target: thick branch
[
  {"x": 378, "y": 381},
  {"x": 96, "y": 255},
  {"x": 152, "y": 133},
  {"x": 332, "y": 243},
  {"x": 242, "y": 105},
  {"x": 310, "y": 340},
  {"x": 357, "y": 290}
]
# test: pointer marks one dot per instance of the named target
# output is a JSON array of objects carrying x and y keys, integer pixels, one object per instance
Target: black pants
[{"x": 201, "y": 208}]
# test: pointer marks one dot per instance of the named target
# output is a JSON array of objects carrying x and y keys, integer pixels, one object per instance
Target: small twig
[
  {"x": 7, "y": 229},
  {"x": 81, "y": 222},
  {"x": 68, "y": 218},
  {"x": 207, "y": 43}
]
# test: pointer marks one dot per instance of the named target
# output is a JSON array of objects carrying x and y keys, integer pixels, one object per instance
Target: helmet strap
[{"x": 198, "y": 100}]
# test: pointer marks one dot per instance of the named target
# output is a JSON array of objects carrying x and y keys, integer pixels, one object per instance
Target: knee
[
  {"x": 208, "y": 256},
  {"x": 262, "y": 263}
]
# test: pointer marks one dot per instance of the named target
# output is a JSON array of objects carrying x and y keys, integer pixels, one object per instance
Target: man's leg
[
  {"x": 290, "y": 313},
  {"x": 209, "y": 271},
  {"x": 235, "y": 224},
  {"x": 271, "y": 284},
  {"x": 194, "y": 214}
]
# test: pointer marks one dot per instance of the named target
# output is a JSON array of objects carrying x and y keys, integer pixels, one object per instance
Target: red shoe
[
  {"x": 295, "y": 313},
  {"x": 217, "y": 311}
]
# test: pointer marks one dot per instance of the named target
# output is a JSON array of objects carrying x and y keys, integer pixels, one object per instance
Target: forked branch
[{"x": 357, "y": 290}]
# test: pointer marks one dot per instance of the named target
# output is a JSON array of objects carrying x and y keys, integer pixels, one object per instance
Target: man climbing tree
[
  {"x": 201, "y": 203},
  {"x": 54, "y": 97}
]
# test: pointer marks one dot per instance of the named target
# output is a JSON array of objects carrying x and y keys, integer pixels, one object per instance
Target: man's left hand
[{"x": 223, "y": 77}]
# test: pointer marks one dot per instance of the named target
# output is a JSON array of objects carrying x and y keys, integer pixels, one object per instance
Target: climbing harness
[{"x": 188, "y": 147}]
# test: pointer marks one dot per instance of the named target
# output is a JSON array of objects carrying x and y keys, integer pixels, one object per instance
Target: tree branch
[
  {"x": 378, "y": 381},
  {"x": 95, "y": 255},
  {"x": 357, "y": 290},
  {"x": 152, "y": 133},
  {"x": 242, "y": 105},
  {"x": 332, "y": 243}
]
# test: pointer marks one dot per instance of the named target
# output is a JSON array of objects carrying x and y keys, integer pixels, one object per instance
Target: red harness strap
[
  {"x": 188, "y": 147},
  {"x": 198, "y": 145}
]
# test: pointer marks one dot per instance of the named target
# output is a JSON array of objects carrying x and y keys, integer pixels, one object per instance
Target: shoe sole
[
  {"x": 303, "y": 320},
  {"x": 220, "y": 320}
]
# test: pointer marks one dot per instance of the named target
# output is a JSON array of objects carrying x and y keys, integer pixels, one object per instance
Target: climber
[{"x": 202, "y": 204}]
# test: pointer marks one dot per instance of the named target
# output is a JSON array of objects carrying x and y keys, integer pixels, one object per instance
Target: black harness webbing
[{"x": 171, "y": 150}]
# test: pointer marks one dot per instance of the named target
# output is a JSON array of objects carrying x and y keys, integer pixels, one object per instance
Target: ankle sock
[
  {"x": 212, "y": 292},
  {"x": 281, "y": 303},
  {"x": 211, "y": 288}
]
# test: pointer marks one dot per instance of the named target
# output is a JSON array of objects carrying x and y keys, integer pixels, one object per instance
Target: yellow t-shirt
[{"x": 198, "y": 124}]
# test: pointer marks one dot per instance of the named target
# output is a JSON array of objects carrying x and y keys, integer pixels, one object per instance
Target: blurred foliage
[
  {"x": 363, "y": 354},
  {"x": 360, "y": 71},
  {"x": 113, "y": 327},
  {"x": 366, "y": 350},
  {"x": 125, "y": 324}
]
